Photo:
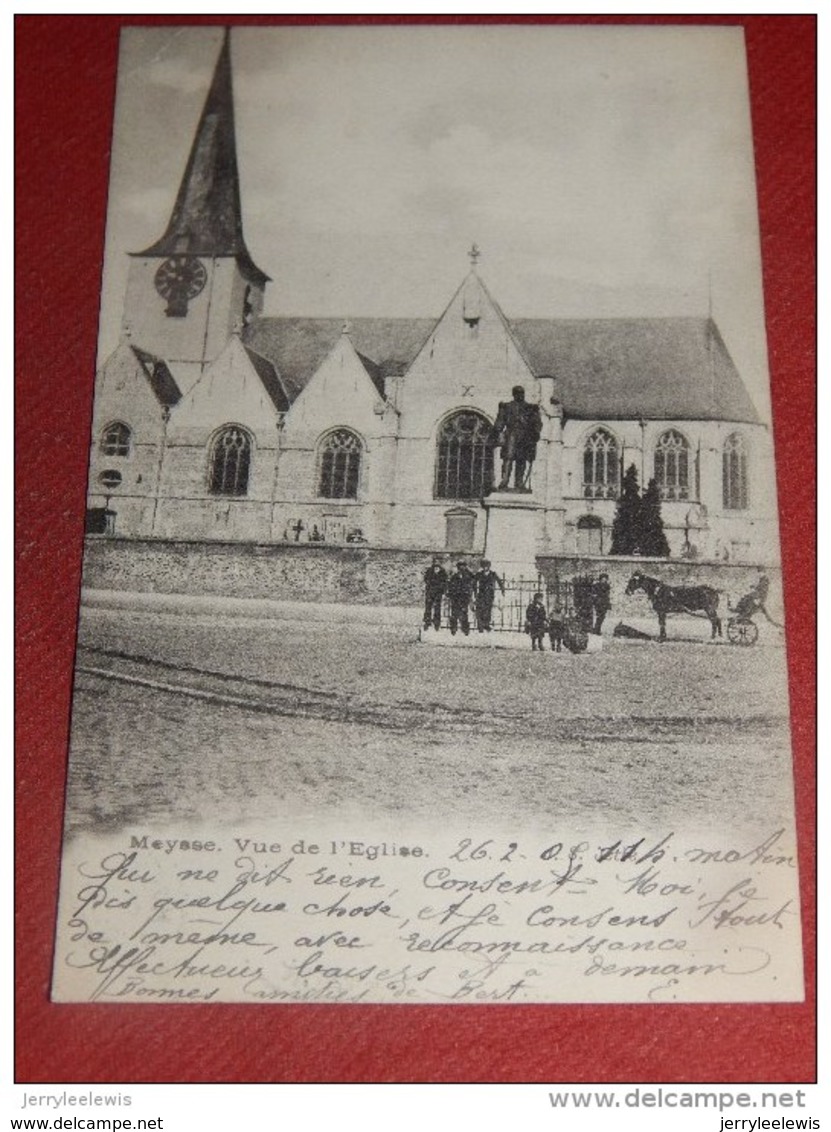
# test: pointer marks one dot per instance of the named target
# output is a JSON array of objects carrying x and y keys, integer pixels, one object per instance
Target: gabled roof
[
  {"x": 617, "y": 368},
  {"x": 625, "y": 368},
  {"x": 159, "y": 377},
  {"x": 270, "y": 378},
  {"x": 207, "y": 215},
  {"x": 375, "y": 372},
  {"x": 298, "y": 346}
]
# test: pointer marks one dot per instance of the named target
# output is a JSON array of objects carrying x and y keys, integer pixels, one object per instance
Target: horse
[{"x": 677, "y": 599}]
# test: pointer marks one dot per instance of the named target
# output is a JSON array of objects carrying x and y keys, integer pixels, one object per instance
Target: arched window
[
  {"x": 589, "y": 535},
  {"x": 115, "y": 439},
  {"x": 601, "y": 466},
  {"x": 672, "y": 466},
  {"x": 734, "y": 473},
  {"x": 339, "y": 465},
  {"x": 464, "y": 459},
  {"x": 230, "y": 462}
]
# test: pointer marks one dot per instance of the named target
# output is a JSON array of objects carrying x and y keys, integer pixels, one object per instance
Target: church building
[{"x": 213, "y": 422}]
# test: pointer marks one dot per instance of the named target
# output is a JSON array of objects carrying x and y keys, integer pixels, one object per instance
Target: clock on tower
[{"x": 179, "y": 279}]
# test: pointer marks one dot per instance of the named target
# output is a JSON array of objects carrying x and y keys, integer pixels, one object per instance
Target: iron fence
[{"x": 570, "y": 598}]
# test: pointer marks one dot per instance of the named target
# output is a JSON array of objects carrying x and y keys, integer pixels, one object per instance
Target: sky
[{"x": 602, "y": 171}]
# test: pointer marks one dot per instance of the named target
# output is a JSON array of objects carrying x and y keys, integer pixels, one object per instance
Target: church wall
[
  {"x": 462, "y": 365},
  {"x": 229, "y": 393},
  {"x": 132, "y": 513},
  {"x": 188, "y": 509},
  {"x": 425, "y": 524},
  {"x": 123, "y": 395},
  {"x": 218, "y": 518},
  {"x": 136, "y": 490},
  {"x": 138, "y": 472},
  {"x": 340, "y": 395},
  {"x": 745, "y": 534}
]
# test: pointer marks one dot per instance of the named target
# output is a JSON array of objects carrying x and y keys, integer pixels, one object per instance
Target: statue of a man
[{"x": 516, "y": 431}]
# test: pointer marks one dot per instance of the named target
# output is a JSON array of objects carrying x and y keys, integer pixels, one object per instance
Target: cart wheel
[
  {"x": 575, "y": 638},
  {"x": 740, "y": 631}
]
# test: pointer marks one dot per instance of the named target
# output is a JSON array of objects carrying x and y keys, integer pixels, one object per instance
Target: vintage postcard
[{"x": 431, "y": 645}]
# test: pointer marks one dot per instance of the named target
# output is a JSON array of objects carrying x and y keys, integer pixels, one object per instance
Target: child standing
[
  {"x": 555, "y": 630},
  {"x": 536, "y": 622}
]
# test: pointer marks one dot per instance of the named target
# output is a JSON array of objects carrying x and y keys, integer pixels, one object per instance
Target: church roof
[
  {"x": 625, "y": 368},
  {"x": 161, "y": 380},
  {"x": 616, "y": 368},
  {"x": 207, "y": 215},
  {"x": 270, "y": 378},
  {"x": 297, "y": 346}
]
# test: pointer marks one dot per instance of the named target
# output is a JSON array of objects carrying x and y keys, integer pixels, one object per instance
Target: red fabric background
[{"x": 65, "y": 70}]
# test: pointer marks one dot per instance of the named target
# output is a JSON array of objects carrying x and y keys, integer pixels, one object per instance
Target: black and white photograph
[{"x": 431, "y": 644}]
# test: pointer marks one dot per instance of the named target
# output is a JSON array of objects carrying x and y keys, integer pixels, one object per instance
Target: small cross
[
  {"x": 474, "y": 254},
  {"x": 467, "y": 390}
]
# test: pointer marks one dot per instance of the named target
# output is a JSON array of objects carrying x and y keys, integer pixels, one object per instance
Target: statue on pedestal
[{"x": 516, "y": 431}]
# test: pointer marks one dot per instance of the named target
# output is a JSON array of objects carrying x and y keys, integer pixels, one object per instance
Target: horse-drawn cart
[
  {"x": 703, "y": 601},
  {"x": 741, "y": 628}
]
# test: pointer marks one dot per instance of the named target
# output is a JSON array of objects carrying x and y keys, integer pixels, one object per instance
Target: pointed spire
[{"x": 207, "y": 215}]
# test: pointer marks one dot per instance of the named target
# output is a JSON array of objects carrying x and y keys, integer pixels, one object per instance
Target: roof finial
[
  {"x": 473, "y": 255},
  {"x": 346, "y": 328}
]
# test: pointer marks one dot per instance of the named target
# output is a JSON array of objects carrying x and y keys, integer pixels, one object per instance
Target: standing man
[
  {"x": 485, "y": 582},
  {"x": 601, "y": 601},
  {"x": 435, "y": 583},
  {"x": 460, "y": 591}
]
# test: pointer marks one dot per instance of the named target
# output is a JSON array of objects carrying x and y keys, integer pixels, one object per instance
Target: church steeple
[
  {"x": 197, "y": 285},
  {"x": 207, "y": 216}
]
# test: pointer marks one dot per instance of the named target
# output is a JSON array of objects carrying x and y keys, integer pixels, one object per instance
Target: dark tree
[
  {"x": 626, "y": 524},
  {"x": 652, "y": 542}
]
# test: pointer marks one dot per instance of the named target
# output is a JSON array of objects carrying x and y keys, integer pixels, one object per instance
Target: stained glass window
[
  {"x": 734, "y": 474},
  {"x": 672, "y": 466},
  {"x": 464, "y": 460},
  {"x": 601, "y": 466},
  {"x": 339, "y": 465},
  {"x": 230, "y": 462}
]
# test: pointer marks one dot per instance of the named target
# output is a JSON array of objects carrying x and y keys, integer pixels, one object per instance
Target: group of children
[{"x": 538, "y": 623}]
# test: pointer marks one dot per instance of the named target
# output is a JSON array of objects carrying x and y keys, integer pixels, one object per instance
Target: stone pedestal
[{"x": 513, "y": 533}]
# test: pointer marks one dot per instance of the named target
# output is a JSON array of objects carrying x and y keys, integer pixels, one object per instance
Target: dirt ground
[{"x": 204, "y": 718}]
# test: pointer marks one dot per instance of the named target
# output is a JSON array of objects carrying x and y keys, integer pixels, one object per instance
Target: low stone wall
[
  {"x": 351, "y": 574},
  {"x": 282, "y": 571}
]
